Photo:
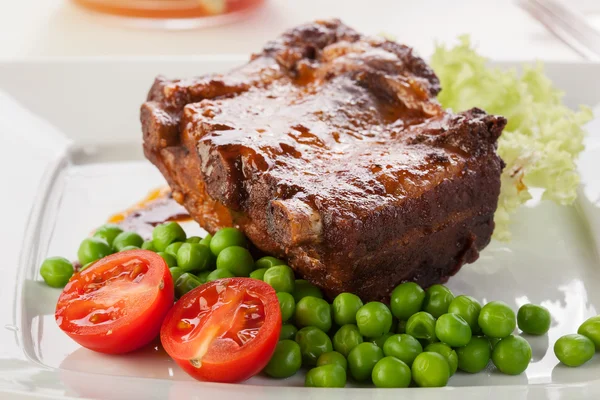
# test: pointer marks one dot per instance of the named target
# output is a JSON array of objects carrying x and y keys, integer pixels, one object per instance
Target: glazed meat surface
[{"x": 329, "y": 149}]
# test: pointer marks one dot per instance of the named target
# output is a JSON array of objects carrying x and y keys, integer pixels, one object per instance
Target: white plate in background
[{"x": 98, "y": 169}]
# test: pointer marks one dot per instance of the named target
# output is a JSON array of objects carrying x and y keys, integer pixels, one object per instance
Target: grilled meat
[{"x": 329, "y": 149}]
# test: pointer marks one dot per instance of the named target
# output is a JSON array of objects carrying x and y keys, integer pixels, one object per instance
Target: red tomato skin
[
  {"x": 224, "y": 373},
  {"x": 240, "y": 369},
  {"x": 136, "y": 334}
]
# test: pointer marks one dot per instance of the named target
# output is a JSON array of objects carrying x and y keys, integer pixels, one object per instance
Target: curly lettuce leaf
[{"x": 543, "y": 137}]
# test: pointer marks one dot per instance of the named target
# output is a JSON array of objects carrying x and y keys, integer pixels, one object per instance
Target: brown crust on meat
[{"x": 329, "y": 149}]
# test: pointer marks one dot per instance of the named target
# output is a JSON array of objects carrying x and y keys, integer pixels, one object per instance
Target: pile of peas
[
  {"x": 422, "y": 336},
  {"x": 191, "y": 260}
]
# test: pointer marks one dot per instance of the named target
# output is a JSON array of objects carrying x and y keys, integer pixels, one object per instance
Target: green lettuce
[{"x": 543, "y": 137}]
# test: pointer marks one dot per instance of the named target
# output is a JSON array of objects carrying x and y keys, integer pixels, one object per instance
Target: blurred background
[{"x": 502, "y": 29}]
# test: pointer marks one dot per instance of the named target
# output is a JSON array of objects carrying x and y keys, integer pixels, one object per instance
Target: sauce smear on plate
[{"x": 156, "y": 208}]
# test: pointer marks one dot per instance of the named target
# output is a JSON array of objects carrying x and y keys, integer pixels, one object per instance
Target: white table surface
[{"x": 57, "y": 28}]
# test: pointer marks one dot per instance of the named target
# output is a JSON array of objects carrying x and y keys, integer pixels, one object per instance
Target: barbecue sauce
[{"x": 156, "y": 208}]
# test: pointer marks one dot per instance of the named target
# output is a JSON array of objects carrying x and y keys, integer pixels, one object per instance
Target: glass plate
[{"x": 552, "y": 260}]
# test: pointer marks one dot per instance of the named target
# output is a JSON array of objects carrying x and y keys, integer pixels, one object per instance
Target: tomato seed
[
  {"x": 183, "y": 325},
  {"x": 136, "y": 271},
  {"x": 196, "y": 363},
  {"x": 99, "y": 318}
]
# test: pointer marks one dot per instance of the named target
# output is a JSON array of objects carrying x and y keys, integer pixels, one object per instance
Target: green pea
[
  {"x": 430, "y": 370},
  {"x": 176, "y": 272},
  {"x": 312, "y": 311},
  {"x": 389, "y": 372},
  {"x": 533, "y": 319},
  {"x": 173, "y": 248},
  {"x": 475, "y": 356},
  {"x": 437, "y": 300},
  {"x": 225, "y": 238},
  {"x": 193, "y": 239},
  {"x": 148, "y": 245},
  {"x": 404, "y": 347},
  {"x": 287, "y": 305},
  {"x": 165, "y": 234},
  {"x": 427, "y": 342},
  {"x": 448, "y": 353},
  {"x": 313, "y": 342},
  {"x": 345, "y": 307},
  {"x": 203, "y": 276},
  {"x": 206, "y": 240},
  {"x": 346, "y": 338},
  {"x": 380, "y": 341},
  {"x": 288, "y": 331},
  {"x": 268, "y": 262},
  {"x": 421, "y": 326},
  {"x": 281, "y": 278},
  {"x": 374, "y": 319},
  {"x": 236, "y": 260},
  {"x": 125, "y": 239},
  {"x": 108, "y": 232},
  {"x": 92, "y": 249},
  {"x": 453, "y": 330},
  {"x": 572, "y": 350},
  {"x": 219, "y": 274},
  {"x": 468, "y": 308},
  {"x": 258, "y": 274},
  {"x": 406, "y": 300},
  {"x": 332, "y": 357},
  {"x": 127, "y": 248},
  {"x": 303, "y": 288},
  {"x": 285, "y": 361},
  {"x": 362, "y": 360},
  {"x": 512, "y": 355},
  {"x": 497, "y": 319},
  {"x": 169, "y": 259},
  {"x": 330, "y": 375},
  {"x": 56, "y": 271},
  {"x": 185, "y": 283},
  {"x": 591, "y": 329},
  {"x": 193, "y": 257}
]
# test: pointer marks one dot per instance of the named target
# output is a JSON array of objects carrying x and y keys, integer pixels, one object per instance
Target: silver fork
[{"x": 568, "y": 25}]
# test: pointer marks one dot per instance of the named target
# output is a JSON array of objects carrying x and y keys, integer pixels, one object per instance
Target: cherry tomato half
[
  {"x": 223, "y": 331},
  {"x": 118, "y": 303}
]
